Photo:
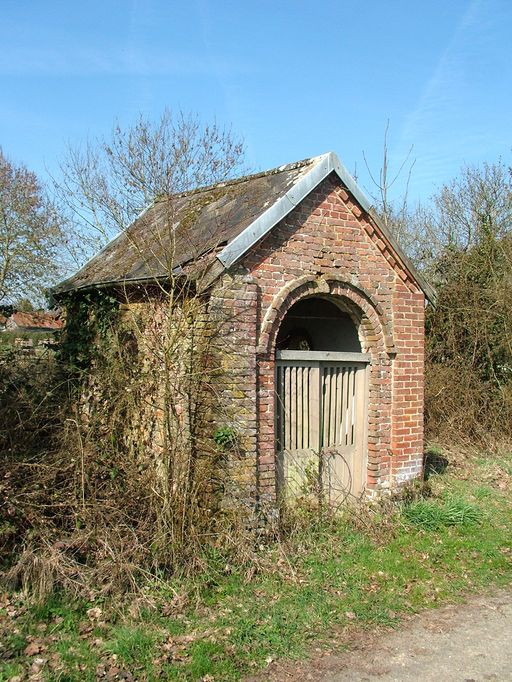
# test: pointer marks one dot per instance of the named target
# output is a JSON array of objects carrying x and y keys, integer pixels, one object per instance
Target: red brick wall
[
  {"x": 328, "y": 245},
  {"x": 408, "y": 378}
]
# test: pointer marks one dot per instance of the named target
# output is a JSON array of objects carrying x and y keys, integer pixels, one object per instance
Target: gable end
[{"x": 326, "y": 164}]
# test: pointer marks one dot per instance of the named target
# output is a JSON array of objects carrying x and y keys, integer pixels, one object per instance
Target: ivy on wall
[{"x": 90, "y": 317}]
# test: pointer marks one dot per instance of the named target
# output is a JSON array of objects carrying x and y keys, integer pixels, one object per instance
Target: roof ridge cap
[{"x": 244, "y": 178}]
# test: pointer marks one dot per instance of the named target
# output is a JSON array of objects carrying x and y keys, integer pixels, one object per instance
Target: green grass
[
  {"x": 10, "y": 670},
  {"x": 64, "y": 615},
  {"x": 133, "y": 646},
  {"x": 431, "y": 515},
  {"x": 77, "y": 660},
  {"x": 331, "y": 578}
]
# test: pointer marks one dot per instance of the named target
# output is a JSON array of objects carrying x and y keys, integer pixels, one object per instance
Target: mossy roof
[
  {"x": 226, "y": 219},
  {"x": 174, "y": 232}
]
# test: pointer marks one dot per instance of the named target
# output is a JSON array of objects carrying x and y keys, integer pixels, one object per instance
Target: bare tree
[
  {"x": 108, "y": 182},
  {"x": 393, "y": 213},
  {"x": 463, "y": 241},
  {"x": 156, "y": 357},
  {"x": 477, "y": 203},
  {"x": 475, "y": 206},
  {"x": 31, "y": 234}
]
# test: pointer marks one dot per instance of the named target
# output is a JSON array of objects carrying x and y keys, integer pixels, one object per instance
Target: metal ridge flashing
[
  {"x": 367, "y": 205},
  {"x": 326, "y": 164},
  {"x": 279, "y": 210}
]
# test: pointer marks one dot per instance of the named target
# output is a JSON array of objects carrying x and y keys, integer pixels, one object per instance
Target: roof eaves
[
  {"x": 67, "y": 284},
  {"x": 126, "y": 281},
  {"x": 424, "y": 285}
]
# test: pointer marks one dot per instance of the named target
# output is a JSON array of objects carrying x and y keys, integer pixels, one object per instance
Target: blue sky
[{"x": 294, "y": 78}]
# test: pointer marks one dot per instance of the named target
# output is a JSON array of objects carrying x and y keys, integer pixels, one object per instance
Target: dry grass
[
  {"x": 84, "y": 509},
  {"x": 462, "y": 409}
]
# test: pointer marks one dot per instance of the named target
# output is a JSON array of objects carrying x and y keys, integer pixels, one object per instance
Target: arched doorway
[{"x": 320, "y": 401}]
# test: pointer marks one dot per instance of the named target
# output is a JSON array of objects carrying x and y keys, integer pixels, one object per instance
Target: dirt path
[{"x": 469, "y": 642}]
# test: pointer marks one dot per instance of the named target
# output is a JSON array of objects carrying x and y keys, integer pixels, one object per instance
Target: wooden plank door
[
  {"x": 343, "y": 463},
  {"x": 321, "y": 422},
  {"x": 298, "y": 409}
]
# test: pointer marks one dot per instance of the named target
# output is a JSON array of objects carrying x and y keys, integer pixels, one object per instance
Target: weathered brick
[{"x": 328, "y": 237}]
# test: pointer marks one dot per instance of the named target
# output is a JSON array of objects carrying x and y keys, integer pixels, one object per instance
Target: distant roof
[
  {"x": 226, "y": 219},
  {"x": 36, "y": 320}
]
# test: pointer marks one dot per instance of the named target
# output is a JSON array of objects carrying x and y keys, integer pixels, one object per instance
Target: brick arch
[
  {"x": 376, "y": 340},
  {"x": 367, "y": 314}
]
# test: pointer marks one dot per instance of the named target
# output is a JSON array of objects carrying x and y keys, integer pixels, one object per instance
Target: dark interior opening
[{"x": 317, "y": 324}]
